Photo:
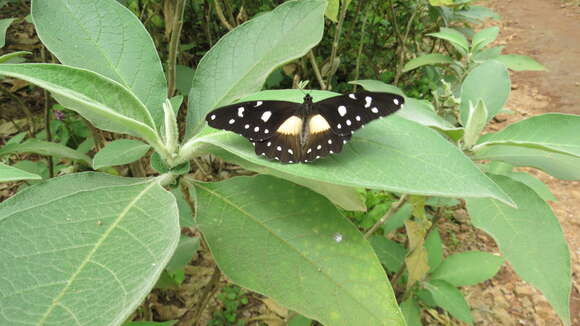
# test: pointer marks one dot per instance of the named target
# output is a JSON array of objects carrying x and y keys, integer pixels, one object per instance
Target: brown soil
[{"x": 549, "y": 31}]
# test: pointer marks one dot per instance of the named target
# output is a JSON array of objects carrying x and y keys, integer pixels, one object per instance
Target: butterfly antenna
[{"x": 302, "y": 85}]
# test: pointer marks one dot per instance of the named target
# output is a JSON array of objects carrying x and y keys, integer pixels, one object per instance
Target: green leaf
[
  {"x": 482, "y": 38},
  {"x": 454, "y": 37},
  {"x": 487, "y": 54},
  {"x": 398, "y": 219},
  {"x": 434, "y": 247},
  {"x": 150, "y": 323},
  {"x": 559, "y": 132},
  {"x": 391, "y": 254},
  {"x": 6, "y": 57},
  {"x": 420, "y": 111},
  {"x": 561, "y": 166},
  {"x": 449, "y": 298},
  {"x": 385, "y": 155},
  {"x": 84, "y": 248},
  {"x": 9, "y": 173},
  {"x": 428, "y": 59},
  {"x": 120, "y": 152},
  {"x": 44, "y": 148},
  {"x": 536, "y": 184},
  {"x": 4, "y": 24},
  {"x": 186, "y": 214},
  {"x": 412, "y": 312},
  {"x": 299, "y": 320},
  {"x": 105, "y": 103},
  {"x": 479, "y": 13},
  {"x": 279, "y": 239},
  {"x": 104, "y": 37},
  {"x": 489, "y": 82},
  {"x": 242, "y": 60},
  {"x": 183, "y": 79},
  {"x": 530, "y": 238},
  {"x": 476, "y": 121},
  {"x": 332, "y": 10},
  {"x": 468, "y": 268},
  {"x": 520, "y": 62}
]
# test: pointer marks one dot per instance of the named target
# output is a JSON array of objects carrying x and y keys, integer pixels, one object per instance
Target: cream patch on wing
[
  {"x": 318, "y": 124},
  {"x": 292, "y": 126}
]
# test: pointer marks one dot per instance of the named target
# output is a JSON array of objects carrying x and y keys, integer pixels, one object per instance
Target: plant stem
[
  {"x": 316, "y": 70},
  {"x": 392, "y": 210},
  {"x": 343, "y": 8},
  {"x": 403, "y": 41},
  {"x": 360, "y": 48},
  {"x": 221, "y": 16},
  {"x": 47, "y": 120},
  {"x": 31, "y": 129},
  {"x": 174, "y": 46}
]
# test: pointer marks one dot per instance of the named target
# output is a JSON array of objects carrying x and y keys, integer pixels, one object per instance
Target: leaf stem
[
  {"x": 221, "y": 16},
  {"x": 392, "y": 210},
  {"x": 174, "y": 46}
]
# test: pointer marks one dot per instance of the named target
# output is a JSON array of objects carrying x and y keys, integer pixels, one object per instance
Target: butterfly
[{"x": 293, "y": 132}]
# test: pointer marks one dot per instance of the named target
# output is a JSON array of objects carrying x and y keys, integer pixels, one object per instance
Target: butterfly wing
[
  {"x": 349, "y": 112},
  {"x": 255, "y": 120}
]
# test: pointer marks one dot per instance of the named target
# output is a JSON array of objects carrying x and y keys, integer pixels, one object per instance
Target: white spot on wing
[
  {"x": 290, "y": 151},
  {"x": 368, "y": 101},
  {"x": 331, "y": 152},
  {"x": 396, "y": 101},
  {"x": 339, "y": 126},
  {"x": 212, "y": 117},
  {"x": 318, "y": 147},
  {"x": 279, "y": 148},
  {"x": 352, "y": 96},
  {"x": 241, "y": 112},
  {"x": 258, "y": 103},
  {"x": 269, "y": 143},
  {"x": 266, "y": 116},
  {"x": 330, "y": 141},
  {"x": 348, "y": 122},
  {"x": 256, "y": 129},
  {"x": 342, "y": 110},
  {"x": 247, "y": 126},
  {"x": 266, "y": 131},
  {"x": 375, "y": 110},
  {"x": 309, "y": 150},
  {"x": 357, "y": 118},
  {"x": 232, "y": 121},
  {"x": 344, "y": 141}
]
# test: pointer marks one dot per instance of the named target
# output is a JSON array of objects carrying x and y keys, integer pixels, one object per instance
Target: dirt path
[{"x": 549, "y": 31}]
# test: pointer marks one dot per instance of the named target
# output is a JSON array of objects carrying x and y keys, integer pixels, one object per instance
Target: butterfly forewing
[
  {"x": 255, "y": 120},
  {"x": 349, "y": 112}
]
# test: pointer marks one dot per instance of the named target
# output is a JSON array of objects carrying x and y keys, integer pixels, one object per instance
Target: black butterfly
[{"x": 292, "y": 132}]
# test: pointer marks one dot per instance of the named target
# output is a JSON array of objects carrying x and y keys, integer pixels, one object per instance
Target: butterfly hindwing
[
  {"x": 349, "y": 112},
  {"x": 255, "y": 120},
  {"x": 323, "y": 144}
]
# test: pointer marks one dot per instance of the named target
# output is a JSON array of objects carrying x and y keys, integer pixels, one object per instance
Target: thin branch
[
  {"x": 331, "y": 71},
  {"x": 316, "y": 70},
  {"x": 220, "y": 14},
  {"x": 403, "y": 41},
  {"x": 174, "y": 46},
  {"x": 392, "y": 210},
  {"x": 47, "y": 121},
  {"x": 24, "y": 108},
  {"x": 360, "y": 47}
]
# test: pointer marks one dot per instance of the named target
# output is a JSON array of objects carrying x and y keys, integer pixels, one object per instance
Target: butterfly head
[{"x": 308, "y": 99}]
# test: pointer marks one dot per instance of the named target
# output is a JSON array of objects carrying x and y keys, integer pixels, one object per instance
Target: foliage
[{"x": 101, "y": 242}]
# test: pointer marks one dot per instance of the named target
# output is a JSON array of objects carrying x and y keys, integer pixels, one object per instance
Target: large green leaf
[
  {"x": 530, "y": 238},
  {"x": 390, "y": 154},
  {"x": 467, "y": 268},
  {"x": 9, "y": 173},
  {"x": 483, "y": 38},
  {"x": 552, "y": 131},
  {"x": 391, "y": 254},
  {"x": 107, "y": 104},
  {"x": 536, "y": 184},
  {"x": 562, "y": 166},
  {"x": 242, "y": 60},
  {"x": 83, "y": 249},
  {"x": 119, "y": 152},
  {"x": 489, "y": 82},
  {"x": 105, "y": 37},
  {"x": 281, "y": 240},
  {"x": 44, "y": 148},
  {"x": 454, "y": 37}
]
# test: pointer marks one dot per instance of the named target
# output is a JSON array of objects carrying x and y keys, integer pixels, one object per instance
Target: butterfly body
[{"x": 302, "y": 132}]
